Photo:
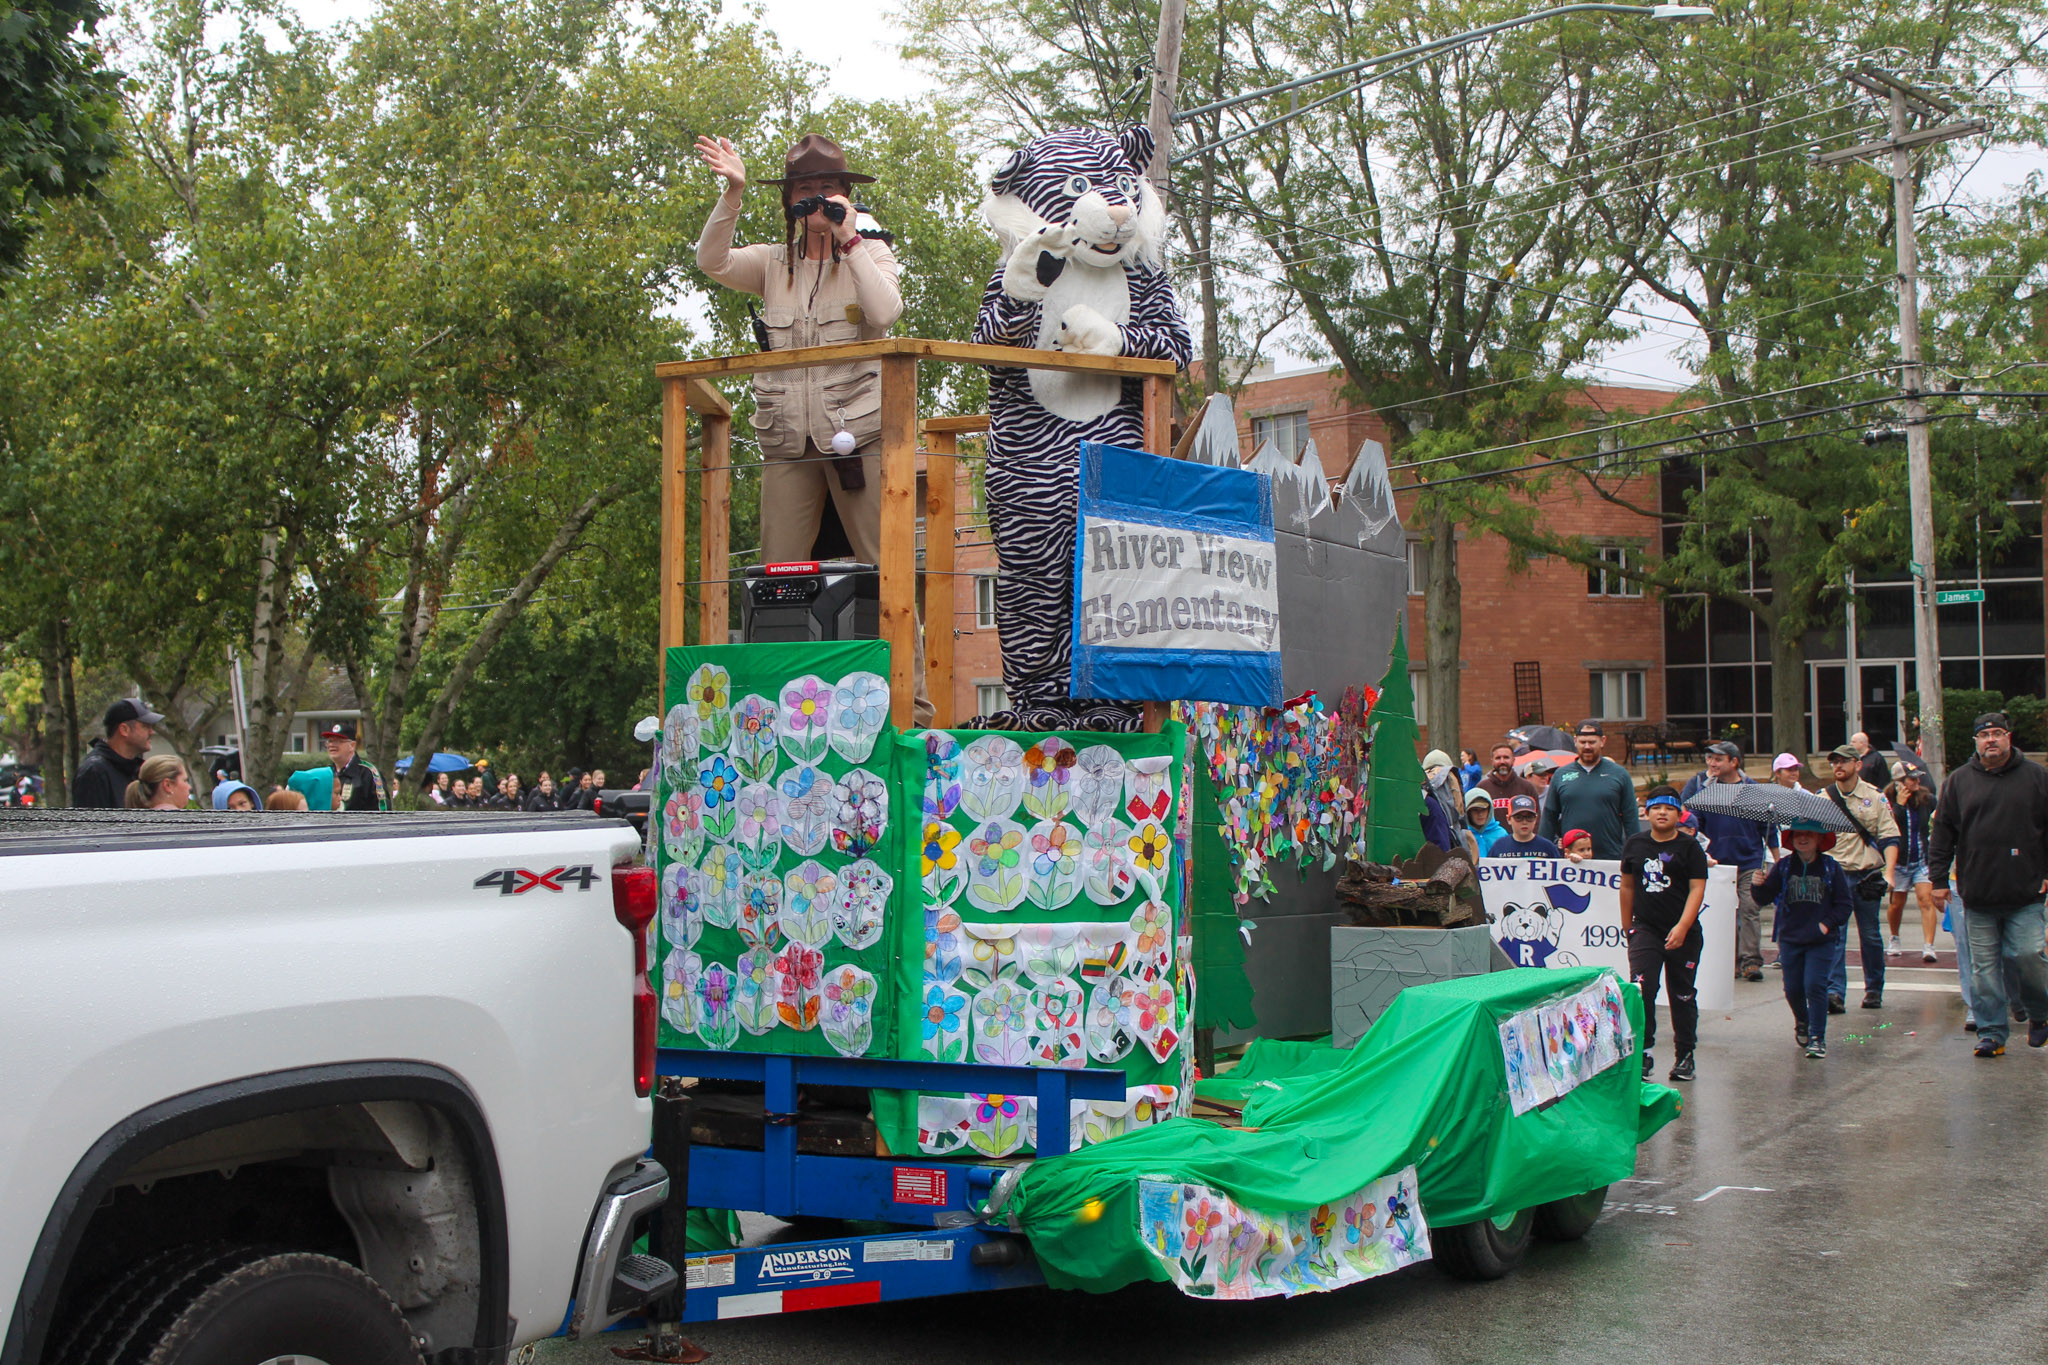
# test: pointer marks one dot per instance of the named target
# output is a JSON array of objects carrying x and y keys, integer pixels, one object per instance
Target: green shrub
[{"x": 1960, "y": 706}]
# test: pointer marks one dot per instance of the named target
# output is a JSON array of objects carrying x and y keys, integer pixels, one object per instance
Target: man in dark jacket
[
  {"x": 1992, "y": 826},
  {"x": 101, "y": 782},
  {"x": 1743, "y": 844},
  {"x": 1594, "y": 794},
  {"x": 1504, "y": 784},
  {"x": 358, "y": 785}
]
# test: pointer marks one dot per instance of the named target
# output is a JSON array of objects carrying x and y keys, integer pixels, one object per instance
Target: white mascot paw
[
  {"x": 1087, "y": 331},
  {"x": 1026, "y": 277}
]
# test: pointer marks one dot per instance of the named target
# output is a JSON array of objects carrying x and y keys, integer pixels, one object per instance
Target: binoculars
[{"x": 804, "y": 208}]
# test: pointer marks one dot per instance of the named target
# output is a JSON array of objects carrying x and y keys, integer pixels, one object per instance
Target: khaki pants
[{"x": 793, "y": 494}]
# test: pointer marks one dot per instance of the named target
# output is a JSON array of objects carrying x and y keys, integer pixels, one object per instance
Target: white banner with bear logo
[{"x": 1552, "y": 912}]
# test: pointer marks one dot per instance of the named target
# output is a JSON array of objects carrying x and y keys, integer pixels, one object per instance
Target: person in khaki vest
[{"x": 824, "y": 283}]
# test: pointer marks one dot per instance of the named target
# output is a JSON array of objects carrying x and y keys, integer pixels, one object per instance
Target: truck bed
[{"x": 87, "y": 831}]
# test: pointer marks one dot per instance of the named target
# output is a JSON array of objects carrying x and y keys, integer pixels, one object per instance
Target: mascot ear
[
  {"x": 1137, "y": 144},
  {"x": 1019, "y": 162}
]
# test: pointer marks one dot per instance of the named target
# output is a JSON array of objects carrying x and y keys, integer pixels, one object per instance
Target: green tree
[{"x": 57, "y": 111}]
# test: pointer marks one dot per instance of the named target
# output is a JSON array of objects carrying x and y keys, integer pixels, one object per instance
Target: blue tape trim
[
  {"x": 1238, "y": 678},
  {"x": 1113, "y": 475}
]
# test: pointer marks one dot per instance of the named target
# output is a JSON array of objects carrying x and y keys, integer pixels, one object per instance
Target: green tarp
[{"x": 1425, "y": 1087}]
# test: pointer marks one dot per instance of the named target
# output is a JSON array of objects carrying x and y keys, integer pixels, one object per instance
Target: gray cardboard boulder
[{"x": 1369, "y": 967}]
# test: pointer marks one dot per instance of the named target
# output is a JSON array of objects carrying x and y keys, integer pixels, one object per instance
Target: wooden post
[
  {"x": 941, "y": 487},
  {"x": 899, "y": 528},
  {"x": 1159, "y": 414},
  {"x": 675, "y": 519},
  {"x": 714, "y": 566}
]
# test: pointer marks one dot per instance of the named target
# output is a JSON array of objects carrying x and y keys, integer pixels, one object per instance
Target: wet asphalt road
[{"x": 1899, "y": 1216}]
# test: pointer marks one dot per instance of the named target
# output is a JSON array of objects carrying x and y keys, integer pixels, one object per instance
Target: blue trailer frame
[{"x": 937, "y": 1241}]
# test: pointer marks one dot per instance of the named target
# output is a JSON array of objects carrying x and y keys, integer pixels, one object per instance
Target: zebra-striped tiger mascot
[{"x": 1081, "y": 230}]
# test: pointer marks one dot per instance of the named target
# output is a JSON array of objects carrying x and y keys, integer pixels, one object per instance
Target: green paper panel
[
  {"x": 1034, "y": 887},
  {"x": 1393, "y": 803},
  {"x": 1224, "y": 999},
  {"x": 779, "y": 834}
]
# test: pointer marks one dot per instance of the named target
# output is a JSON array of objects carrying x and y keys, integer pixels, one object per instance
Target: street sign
[{"x": 1958, "y": 597}]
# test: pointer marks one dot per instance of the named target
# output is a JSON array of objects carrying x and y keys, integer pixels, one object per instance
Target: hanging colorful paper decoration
[{"x": 1289, "y": 780}]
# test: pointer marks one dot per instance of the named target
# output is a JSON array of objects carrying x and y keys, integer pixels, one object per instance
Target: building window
[
  {"x": 298, "y": 743},
  {"x": 1418, "y": 565},
  {"x": 1418, "y": 685},
  {"x": 991, "y": 697},
  {"x": 1288, "y": 431},
  {"x": 1617, "y": 694},
  {"x": 985, "y": 601},
  {"x": 1607, "y": 581}
]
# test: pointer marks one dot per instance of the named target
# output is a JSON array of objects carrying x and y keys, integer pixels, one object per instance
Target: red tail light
[{"x": 635, "y": 897}]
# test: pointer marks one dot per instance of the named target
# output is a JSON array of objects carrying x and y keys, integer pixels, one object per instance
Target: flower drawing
[
  {"x": 940, "y": 841},
  {"x": 720, "y": 781},
  {"x": 996, "y": 848},
  {"x": 809, "y": 703},
  {"x": 711, "y": 689},
  {"x": 1054, "y": 849},
  {"x": 993, "y": 1107},
  {"x": 1148, "y": 847},
  {"x": 863, "y": 701},
  {"x": 942, "y": 1011},
  {"x": 1152, "y": 926}
]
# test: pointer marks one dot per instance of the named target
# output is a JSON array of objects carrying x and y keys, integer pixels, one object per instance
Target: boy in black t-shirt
[{"x": 1663, "y": 879}]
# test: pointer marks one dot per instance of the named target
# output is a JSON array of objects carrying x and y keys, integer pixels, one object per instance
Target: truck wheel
[
  {"x": 1567, "y": 1220},
  {"x": 1485, "y": 1250},
  {"x": 252, "y": 1308}
]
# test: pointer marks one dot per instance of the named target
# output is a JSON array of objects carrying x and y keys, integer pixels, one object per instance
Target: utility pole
[
  {"x": 1173, "y": 22},
  {"x": 1906, "y": 100}
]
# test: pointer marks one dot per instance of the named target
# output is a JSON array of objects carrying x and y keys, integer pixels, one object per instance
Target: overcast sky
[{"x": 862, "y": 57}]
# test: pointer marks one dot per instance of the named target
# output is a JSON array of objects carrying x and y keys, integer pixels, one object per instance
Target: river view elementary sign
[{"x": 1174, "y": 594}]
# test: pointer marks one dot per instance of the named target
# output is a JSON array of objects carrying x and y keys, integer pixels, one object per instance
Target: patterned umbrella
[{"x": 1767, "y": 803}]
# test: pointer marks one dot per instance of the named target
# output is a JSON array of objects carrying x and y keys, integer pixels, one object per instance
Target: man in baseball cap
[
  {"x": 1991, "y": 829},
  {"x": 356, "y": 784},
  {"x": 101, "y": 782},
  {"x": 1595, "y": 794},
  {"x": 1743, "y": 843}
]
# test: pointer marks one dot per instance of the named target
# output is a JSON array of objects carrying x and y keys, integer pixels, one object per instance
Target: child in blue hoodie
[{"x": 1813, "y": 903}]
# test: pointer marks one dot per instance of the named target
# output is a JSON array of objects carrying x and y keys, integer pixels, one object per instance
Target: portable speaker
[{"x": 790, "y": 603}]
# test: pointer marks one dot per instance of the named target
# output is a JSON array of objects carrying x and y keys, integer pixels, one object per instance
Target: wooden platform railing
[{"x": 686, "y": 388}]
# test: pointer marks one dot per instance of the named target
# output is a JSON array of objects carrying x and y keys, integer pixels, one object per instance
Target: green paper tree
[{"x": 1393, "y": 784}]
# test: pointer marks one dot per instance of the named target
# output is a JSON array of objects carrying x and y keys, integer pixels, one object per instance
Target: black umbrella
[
  {"x": 1542, "y": 737},
  {"x": 1767, "y": 803},
  {"x": 1912, "y": 760}
]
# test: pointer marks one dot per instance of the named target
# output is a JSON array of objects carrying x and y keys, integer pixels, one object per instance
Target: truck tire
[
  {"x": 87, "y": 1334},
  {"x": 1567, "y": 1220},
  {"x": 1485, "y": 1250},
  {"x": 250, "y": 1306}
]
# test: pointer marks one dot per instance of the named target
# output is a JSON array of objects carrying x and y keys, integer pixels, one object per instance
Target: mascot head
[{"x": 1089, "y": 183}]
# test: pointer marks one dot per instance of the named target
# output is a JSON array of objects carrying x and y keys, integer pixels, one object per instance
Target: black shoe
[
  {"x": 1835, "y": 1005},
  {"x": 1987, "y": 1048},
  {"x": 1681, "y": 1070},
  {"x": 1969, "y": 1025},
  {"x": 1753, "y": 974},
  {"x": 2037, "y": 1034},
  {"x": 1799, "y": 1034},
  {"x": 2019, "y": 1016},
  {"x": 1649, "y": 1063},
  {"x": 1872, "y": 1000}
]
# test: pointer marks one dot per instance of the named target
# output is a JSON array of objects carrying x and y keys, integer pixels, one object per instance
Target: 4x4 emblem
[{"x": 517, "y": 881}]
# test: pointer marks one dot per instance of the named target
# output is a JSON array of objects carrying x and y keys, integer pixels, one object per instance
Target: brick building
[{"x": 1554, "y": 641}]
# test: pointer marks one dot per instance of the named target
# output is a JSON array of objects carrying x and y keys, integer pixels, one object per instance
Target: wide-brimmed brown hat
[{"x": 816, "y": 154}]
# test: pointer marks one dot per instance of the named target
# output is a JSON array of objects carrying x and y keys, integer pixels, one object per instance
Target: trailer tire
[
  {"x": 259, "y": 1306},
  {"x": 1567, "y": 1220},
  {"x": 1485, "y": 1250}
]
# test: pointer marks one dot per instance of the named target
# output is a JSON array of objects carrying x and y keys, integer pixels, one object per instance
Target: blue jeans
[
  {"x": 1870, "y": 929},
  {"x": 1959, "y": 919},
  {"x": 1806, "y": 967},
  {"x": 2014, "y": 934}
]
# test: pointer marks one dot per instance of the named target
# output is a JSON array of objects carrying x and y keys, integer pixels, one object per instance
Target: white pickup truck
[{"x": 335, "y": 1089}]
